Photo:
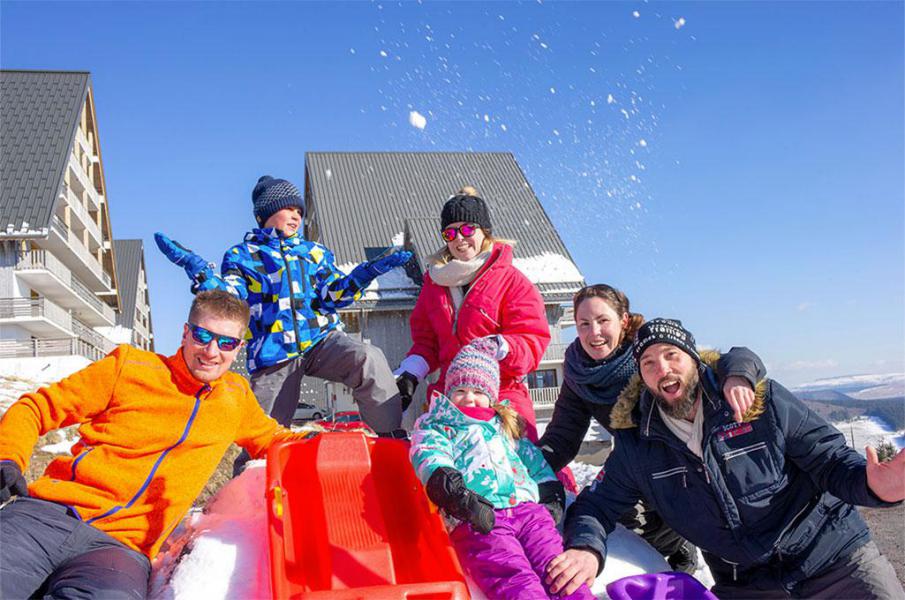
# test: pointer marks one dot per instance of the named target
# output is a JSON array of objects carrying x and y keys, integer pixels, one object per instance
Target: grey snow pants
[
  {"x": 46, "y": 552},
  {"x": 865, "y": 574},
  {"x": 339, "y": 358}
]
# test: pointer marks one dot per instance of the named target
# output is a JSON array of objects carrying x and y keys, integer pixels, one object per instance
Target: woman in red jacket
[{"x": 472, "y": 290}]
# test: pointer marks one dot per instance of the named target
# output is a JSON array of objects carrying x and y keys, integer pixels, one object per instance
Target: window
[{"x": 543, "y": 378}]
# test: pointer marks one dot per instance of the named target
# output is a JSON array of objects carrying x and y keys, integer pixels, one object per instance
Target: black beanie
[
  {"x": 664, "y": 331},
  {"x": 271, "y": 195},
  {"x": 463, "y": 208}
]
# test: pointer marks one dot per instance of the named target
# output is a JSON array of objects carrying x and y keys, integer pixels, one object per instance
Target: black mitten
[
  {"x": 406, "y": 383},
  {"x": 12, "y": 483},
  {"x": 553, "y": 496},
  {"x": 446, "y": 488}
]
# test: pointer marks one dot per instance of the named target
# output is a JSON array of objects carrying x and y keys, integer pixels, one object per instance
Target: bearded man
[{"x": 769, "y": 500}]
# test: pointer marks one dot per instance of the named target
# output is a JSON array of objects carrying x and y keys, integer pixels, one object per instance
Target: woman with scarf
[
  {"x": 598, "y": 365},
  {"x": 472, "y": 290}
]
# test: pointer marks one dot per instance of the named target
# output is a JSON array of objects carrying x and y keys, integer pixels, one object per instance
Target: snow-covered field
[{"x": 869, "y": 431}]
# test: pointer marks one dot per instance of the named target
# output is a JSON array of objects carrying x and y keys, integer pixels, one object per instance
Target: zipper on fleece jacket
[
  {"x": 76, "y": 462},
  {"x": 163, "y": 455}
]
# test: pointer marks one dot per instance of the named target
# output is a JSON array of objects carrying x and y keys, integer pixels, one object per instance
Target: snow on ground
[
  {"x": 869, "y": 431},
  {"x": 66, "y": 439},
  {"x": 222, "y": 553}
]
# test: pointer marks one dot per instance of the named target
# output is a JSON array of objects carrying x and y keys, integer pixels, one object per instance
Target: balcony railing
[
  {"x": 90, "y": 336},
  {"x": 49, "y": 347},
  {"x": 555, "y": 352},
  {"x": 84, "y": 180},
  {"x": 92, "y": 299},
  {"x": 544, "y": 397},
  {"x": 76, "y": 245},
  {"x": 42, "y": 259},
  {"x": 11, "y": 308},
  {"x": 75, "y": 205}
]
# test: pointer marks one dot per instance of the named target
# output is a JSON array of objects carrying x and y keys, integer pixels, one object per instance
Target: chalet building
[
  {"x": 361, "y": 203},
  {"x": 59, "y": 280},
  {"x": 133, "y": 321}
]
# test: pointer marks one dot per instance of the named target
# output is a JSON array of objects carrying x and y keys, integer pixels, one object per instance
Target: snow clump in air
[
  {"x": 416, "y": 119},
  {"x": 680, "y": 23}
]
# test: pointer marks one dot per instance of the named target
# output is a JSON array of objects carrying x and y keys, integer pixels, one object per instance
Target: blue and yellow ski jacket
[{"x": 293, "y": 289}]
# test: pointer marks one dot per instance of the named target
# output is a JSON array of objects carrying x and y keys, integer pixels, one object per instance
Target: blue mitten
[
  {"x": 370, "y": 270},
  {"x": 181, "y": 256}
]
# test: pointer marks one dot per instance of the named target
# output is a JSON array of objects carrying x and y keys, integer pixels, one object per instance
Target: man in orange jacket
[{"x": 152, "y": 431}]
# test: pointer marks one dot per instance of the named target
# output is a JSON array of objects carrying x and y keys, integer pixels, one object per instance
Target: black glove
[
  {"x": 446, "y": 489},
  {"x": 407, "y": 383},
  {"x": 553, "y": 497},
  {"x": 396, "y": 434},
  {"x": 11, "y": 481}
]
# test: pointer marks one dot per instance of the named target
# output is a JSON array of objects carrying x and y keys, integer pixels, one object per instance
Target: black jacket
[
  {"x": 572, "y": 414},
  {"x": 772, "y": 496}
]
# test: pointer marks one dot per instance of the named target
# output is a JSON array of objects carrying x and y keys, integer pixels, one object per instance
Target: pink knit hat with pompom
[{"x": 475, "y": 366}]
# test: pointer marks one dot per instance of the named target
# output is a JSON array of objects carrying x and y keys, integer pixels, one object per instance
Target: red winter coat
[{"x": 500, "y": 300}]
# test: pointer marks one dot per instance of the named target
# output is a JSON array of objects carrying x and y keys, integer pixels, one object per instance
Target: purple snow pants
[{"x": 510, "y": 561}]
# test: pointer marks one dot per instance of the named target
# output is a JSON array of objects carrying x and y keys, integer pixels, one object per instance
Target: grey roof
[
  {"x": 129, "y": 257},
  {"x": 365, "y": 199},
  {"x": 39, "y": 115}
]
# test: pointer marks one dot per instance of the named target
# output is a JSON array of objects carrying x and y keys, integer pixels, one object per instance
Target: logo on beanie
[{"x": 664, "y": 331}]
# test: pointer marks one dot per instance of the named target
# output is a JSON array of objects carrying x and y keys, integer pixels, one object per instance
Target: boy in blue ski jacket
[
  {"x": 293, "y": 289},
  {"x": 769, "y": 500}
]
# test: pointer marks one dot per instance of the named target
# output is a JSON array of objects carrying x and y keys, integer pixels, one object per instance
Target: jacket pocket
[
  {"x": 751, "y": 472},
  {"x": 671, "y": 477}
]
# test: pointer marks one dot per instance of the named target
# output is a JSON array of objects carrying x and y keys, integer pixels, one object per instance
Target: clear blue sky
[{"x": 753, "y": 187}]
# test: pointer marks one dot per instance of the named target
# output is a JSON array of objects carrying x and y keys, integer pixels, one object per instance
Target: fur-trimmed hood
[{"x": 622, "y": 415}]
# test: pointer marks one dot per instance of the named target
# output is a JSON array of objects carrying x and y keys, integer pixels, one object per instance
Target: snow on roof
[
  {"x": 548, "y": 268},
  {"x": 395, "y": 285}
]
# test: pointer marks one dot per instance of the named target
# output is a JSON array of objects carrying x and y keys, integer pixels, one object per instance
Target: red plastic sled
[{"x": 348, "y": 519}]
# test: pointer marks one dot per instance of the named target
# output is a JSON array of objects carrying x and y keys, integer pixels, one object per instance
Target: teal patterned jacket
[
  {"x": 293, "y": 289},
  {"x": 503, "y": 471}
]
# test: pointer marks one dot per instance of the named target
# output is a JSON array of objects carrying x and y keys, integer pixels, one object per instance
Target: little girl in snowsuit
[{"x": 470, "y": 453}]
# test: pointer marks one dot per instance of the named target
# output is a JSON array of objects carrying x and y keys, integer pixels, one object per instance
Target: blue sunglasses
[{"x": 203, "y": 337}]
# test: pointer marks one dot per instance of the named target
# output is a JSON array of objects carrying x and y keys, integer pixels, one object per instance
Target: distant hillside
[
  {"x": 865, "y": 387},
  {"x": 835, "y": 406}
]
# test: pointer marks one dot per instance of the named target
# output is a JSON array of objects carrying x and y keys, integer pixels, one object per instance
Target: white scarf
[
  {"x": 691, "y": 433},
  {"x": 456, "y": 274}
]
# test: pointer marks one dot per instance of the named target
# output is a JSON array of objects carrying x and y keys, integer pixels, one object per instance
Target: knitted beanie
[
  {"x": 462, "y": 208},
  {"x": 270, "y": 195},
  {"x": 664, "y": 331},
  {"x": 475, "y": 366}
]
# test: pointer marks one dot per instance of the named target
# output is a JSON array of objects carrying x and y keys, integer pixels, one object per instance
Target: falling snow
[{"x": 417, "y": 120}]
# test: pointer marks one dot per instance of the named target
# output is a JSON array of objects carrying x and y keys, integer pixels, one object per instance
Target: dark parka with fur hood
[{"x": 772, "y": 497}]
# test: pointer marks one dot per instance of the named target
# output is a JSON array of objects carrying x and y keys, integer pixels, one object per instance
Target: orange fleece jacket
[{"x": 151, "y": 436}]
